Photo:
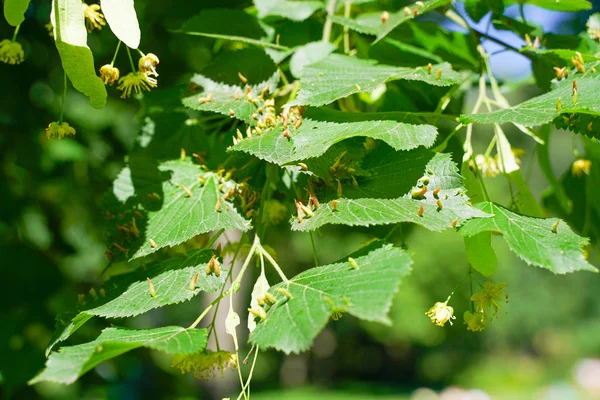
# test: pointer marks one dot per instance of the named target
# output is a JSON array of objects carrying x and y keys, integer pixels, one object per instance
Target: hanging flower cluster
[
  {"x": 144, "y": 79},
  {"x": 11, "y": 52}
]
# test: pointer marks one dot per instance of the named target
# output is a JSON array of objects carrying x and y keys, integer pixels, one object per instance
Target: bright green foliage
[
  {"x": 371, "y": 23},
  {"x": 71, "y": 41},
  {"x": 320, "y": 293},
  {"x": 539, "y": 242},
  {"x": 322, "y": 82},
  {"x": 576, "y": 111},
  {"x": 179, "y": 216},
  {"x": 129, "y": 295},
  {"x": 294, "y": 10},
  {"x": 221, "y": 98},
  {"x": 315, "y": 136},
  {"x": 309, "y": 54},
  {"x": 440, "y": 171},
  {"x": 481, "y": 254},
  {"x": 562, "y": 5},
  {"x": 14, "y": 11},
  {"x": 122, "y": 19},
  {"x": 71, "y": 362}
]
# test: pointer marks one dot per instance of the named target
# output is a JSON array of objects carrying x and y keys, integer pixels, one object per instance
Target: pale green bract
[
  {"x": 128, "y": 295},
  {"x": 71, "y": 362},
  {"x": 122, "y": 19},
  {"x": 318, "y": 293},
  {"x": 537, "y": 241},
  {"x": 322, "y": 82},
  {"x": 71, "y": 41}
]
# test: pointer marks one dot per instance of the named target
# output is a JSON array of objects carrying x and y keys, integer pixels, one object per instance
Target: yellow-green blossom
[
  {"x": 205, "y": 364},
  {"x": 135, "y": 82},
  {"x": 109, "y": 74},
  {"x": 581, "y": 166},
  {"x": 58, "y": 130},
  {"x": 486, "y": 301},
  {"x": 475, "y": 322},
  {"x": 147, "y": 64},
  {"x": 11, "y": 52},
  {"x": 94, "y": 19},
  {"x": 441, "y": 313},
  {"x": 487, "y": 165}
]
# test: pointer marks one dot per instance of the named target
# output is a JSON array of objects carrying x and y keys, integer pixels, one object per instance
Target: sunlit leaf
[
  {"x": 71, "y": 362},
  {"x": 322, "y": 83},
  {"x": 129, "y": 295},
  {"x": 330, "y": 291},
  {"x": 547, "y": 243}
]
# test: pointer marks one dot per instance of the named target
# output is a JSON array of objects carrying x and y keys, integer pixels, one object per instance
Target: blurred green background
[{"x": 545, "y": 343}]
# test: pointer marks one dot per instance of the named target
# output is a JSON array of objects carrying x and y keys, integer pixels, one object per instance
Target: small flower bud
[
  {"x": 147, "y": 64},
  {"x": 152, "y": 290},
  {"x": 258, "y": 312},
  {"x": 109, "y": 74},
  {"x": 421, "y": 210},
  {"x": 384, "y": 17},
  {"x": 193, "y": 282},
  {"x": 352, "y": 263},
  {"x": 285, "y": 292}
]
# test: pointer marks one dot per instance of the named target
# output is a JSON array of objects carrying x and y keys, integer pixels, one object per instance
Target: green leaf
[
  {"x": 308, "y": 54},
  {"x": 174, "y": 217},
  {"x": 221, "y": 98},
  {"x": 322, "y": 83},
  {"x": 128, "y": 295},
  {"x": 543, "y": 109},
  {"x": 14, "y": 11},
  {"x": 319, "y": 132},
  {"x": 562, "y": 5},
  {"x": 122, "y": 19},
  {"x": 233, "y": 25},
  {"x": 442, "y": 173},
  {"x": 294, "y": 10},
  {"x": 534, "y": 240},
  {"x": 71, "y": 41},
  {"x": 366, "y": 293},
  {"x": 481, "y": 254},
  {"x": 71, "y": 362},
  {"x": 371, "y": 24}
]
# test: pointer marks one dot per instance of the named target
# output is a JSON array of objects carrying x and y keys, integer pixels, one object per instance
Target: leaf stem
[
  {"x": 314, "y": 249},
  {"x": 237, "y": 280},
  {"x": 347, "y": 29},
  {"x": 112, "y": 63},
  {"x": 274, "y": 264},
  {"x": 14, "y": 38},
  {"x": 328, "y": 22},
  {"x": 214, "y": 238},
  {"x": 64, "y": 98},
  {"x": 247, "y": 385},
  {"x": 131, "y": 60}
]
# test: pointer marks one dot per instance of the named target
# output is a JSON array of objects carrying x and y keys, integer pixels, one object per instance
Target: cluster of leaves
[{"x": 304, "y": 132}]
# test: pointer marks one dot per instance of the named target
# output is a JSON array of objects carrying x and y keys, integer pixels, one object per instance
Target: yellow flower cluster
[
  {"x": 133, "y": 82},
  {"x": 94, "y": 19},
  {"x": 205, "y": 364},
  {"x": 58, "y": 130},
  {"x": 11, "y": 52},
  {"x": 441, "y": 313}
]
